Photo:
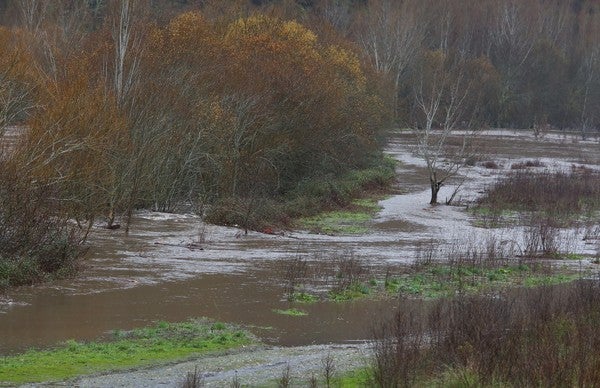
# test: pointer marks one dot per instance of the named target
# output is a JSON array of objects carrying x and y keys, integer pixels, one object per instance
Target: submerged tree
[{"x": 446, "y": 98}]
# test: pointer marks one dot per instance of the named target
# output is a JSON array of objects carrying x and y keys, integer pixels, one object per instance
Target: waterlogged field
[{"x": 330, "y": 281}]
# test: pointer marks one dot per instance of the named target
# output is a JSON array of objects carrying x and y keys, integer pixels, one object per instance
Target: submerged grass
[
  {"x": 291, "y": 312},
  {"x": 353, "y": 291},
  {"x": 304, "y": 297},
  {"x": 435, "y": 281},
  {"x": 439, "y": 280},
  {"x": 140, "y": 347}
]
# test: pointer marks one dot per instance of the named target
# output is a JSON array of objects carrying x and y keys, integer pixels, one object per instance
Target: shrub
[
  {"x": 37, "y": 241},
  {"x": 558, "y": 194},
  {"x": 545, "y": 336},
  {"x": 526, "y": 164},
  {"x": 490, "y": 164}
]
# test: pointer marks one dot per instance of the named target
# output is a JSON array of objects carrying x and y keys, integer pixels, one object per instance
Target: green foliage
[
  {"x": 304, "y": 297},
  {"x": 140, "y": 347},
  {"x": 353, "y": 291},
  {"x": 311, "y": 203}
]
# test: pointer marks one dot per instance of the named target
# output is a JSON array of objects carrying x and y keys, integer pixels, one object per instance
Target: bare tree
[
  {"x": 127, "y": 39},
  {"x": 444, "y": 101},
  {"x": 590, "y": 70},
  {"x": 391, "y": 34}
]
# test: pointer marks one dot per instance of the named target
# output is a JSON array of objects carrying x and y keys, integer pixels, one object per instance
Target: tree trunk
[{"x": 435, "y": 188}]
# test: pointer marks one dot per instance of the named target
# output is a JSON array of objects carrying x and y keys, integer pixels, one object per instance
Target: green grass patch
[
  {"x": 355, "y": 378},
  {"x": 140, "y": 347},
  {"x": 442, "y": 280},
  {"x": 572, "y": 256},
  {"x": 354, "y": 291},
  {"x": 436, "y": 281},
  {"x": 304, "y": 297},
  {"x": 353, "y": 220},
  {"x": 291, "y": 312},
  {"x": 337, "y": 222}
]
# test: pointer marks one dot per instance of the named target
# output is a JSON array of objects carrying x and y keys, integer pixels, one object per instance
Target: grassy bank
[
  {"x": 126, "y": 349},
  {"x": 327, "y": 204}
]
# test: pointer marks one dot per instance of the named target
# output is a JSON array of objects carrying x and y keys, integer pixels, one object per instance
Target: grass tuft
[{"x": 291, "y": 312}]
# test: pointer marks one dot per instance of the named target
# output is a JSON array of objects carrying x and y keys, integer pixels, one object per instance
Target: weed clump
[{"x": 490, "y": 164}]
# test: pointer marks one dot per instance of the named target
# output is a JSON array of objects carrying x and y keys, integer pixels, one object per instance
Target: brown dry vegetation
[
  {"x": 526, "y": 337},
  {"x": 558, "y": 195}
]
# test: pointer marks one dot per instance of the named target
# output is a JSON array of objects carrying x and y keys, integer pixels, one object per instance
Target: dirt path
[{"x": 252, "y": 366}]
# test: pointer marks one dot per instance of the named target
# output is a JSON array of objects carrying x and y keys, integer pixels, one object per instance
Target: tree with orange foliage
[
  {"x": 77, "y": 144},
  {"x": 18, "y": 81}
]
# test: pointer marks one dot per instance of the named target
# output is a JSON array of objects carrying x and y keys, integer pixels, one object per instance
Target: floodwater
[{"x": 152, "y": 274}]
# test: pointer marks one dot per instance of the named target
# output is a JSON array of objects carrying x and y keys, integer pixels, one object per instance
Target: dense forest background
[{"x": 234, "y": 105}]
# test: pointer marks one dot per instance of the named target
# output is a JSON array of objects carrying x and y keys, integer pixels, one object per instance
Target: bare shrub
[
  {"x": 328, "y": 369},
  {"x": 557, "y": 194},
  {"x": 295, "y": 271},
  {"x": 37, "y": 239},
  {"x": 193, "y": 379},
  {"x": 541, "y": 238},
  {"x": 512, "y": 338},
  {"x": 286, "y": 377},
  {"x": 235, "y": 383},
  {"x": 490, "y": 164},
  {"x": 526, "y": 164},
  {"x": 203, "y": 235},
  {"x": 427, "y": 252},
  {"x": 399, "y": 349},
  {"x": 592, "y": 232},
  {"x": 349, "y": 270}
]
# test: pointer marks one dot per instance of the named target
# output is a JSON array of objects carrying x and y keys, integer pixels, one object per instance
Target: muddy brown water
[
  {"x": 151, "y": 275},
  {"x": 57, "y": 315}
]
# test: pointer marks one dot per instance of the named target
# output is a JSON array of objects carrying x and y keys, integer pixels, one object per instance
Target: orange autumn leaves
[{"x": 212, "y": 110}]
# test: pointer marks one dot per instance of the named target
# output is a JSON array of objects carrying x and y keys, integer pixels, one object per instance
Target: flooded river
[{"x": 152, "y": 275}]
